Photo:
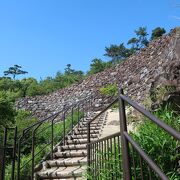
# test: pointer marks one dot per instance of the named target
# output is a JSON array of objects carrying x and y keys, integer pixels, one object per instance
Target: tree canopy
[
  {"x": 14, "y": 71},
  {"x": 97, "y": 65},
  {"x": 140, "y": 41},
  {"x": 157, "y": 32},
  {"x": 117, "y": 53}
]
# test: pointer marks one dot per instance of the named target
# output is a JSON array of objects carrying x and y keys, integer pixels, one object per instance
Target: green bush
[
  {"x": 6, "y": 109},
  {"x": 109, "y": 90},
  {"x": 23, "y": 119},
  {"x": 7, "y": 113},
  {"x": 157, "y": 143}
]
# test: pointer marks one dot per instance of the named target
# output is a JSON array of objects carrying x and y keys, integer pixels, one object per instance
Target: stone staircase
[{"x": 70, "y": 160}]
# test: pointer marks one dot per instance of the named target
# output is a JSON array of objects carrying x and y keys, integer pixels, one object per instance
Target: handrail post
[
  {"x": 78, "y": 115},
  {"x": 4, "y": 153},
  {"x": 14, "y": 153},
  {"x": 72, "y": 118},
  {"x": 64, "y": 129},
  {"x": 124, "y": 142},
  {"x": 52, "y": 137},
  {"x": 83, "y": 111},
  {"x": 33, "y": 149},
  {"x": 88, "y": 148},
  {"x": 19, "y": 158}
]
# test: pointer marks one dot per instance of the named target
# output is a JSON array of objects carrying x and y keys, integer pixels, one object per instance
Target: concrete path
[{"x": 113, "y": 124}]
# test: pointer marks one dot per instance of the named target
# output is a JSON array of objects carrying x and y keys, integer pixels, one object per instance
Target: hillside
[{"x": 139, "y": 75}]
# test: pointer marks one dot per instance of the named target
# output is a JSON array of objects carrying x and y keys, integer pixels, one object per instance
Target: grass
[{"x": 107, "y": 165}]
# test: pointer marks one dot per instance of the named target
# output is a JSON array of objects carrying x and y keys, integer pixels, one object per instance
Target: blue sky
[{"x": 44, "y": 35}]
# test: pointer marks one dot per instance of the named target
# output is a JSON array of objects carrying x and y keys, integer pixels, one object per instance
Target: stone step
[
  {"x": 62, "y": 172},
  {"x": 85, "y": 132},
  {"x": 70, "y": 160},
  {"x": 61, "y": 162},
  {"x": 79, "y": 141},
  {"x": 66, "y": 178},
  {"x": 85, "y": 128},
  {"x": 91, "y": 125},
  {"x": 83, "y": 136},
  {"x": 71, "y": 153},
  {"x": 95, "y": 121},
  {"x": 73, "y": 147}
]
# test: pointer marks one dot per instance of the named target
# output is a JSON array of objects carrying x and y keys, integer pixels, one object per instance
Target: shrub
[
  {"x": 109, "y": 90},
  {"x": 24, "y": 119},
  {"x": 157, "y": 143}
]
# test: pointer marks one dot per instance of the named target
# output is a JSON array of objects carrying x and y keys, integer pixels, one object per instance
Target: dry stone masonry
[{"x": 152, "y": 67}]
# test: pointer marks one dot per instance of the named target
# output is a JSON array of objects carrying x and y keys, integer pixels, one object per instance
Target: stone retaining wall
[{"x": 158, "y": 64}]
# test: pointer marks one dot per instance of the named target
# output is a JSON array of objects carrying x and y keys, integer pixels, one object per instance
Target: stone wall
[{"x": 158, "y": 64}]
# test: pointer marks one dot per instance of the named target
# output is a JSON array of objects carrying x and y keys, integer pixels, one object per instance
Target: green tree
[
  {"x": 96, "y": 66},
  {"x": 134, "y": 43},
  {"x": 68, "y": 70},
  {"x": 71, "y": 75},
  {"x": 14, "y": 71},
  {"x": 25, "y": 84},
  {"x": 6, "y": 84},
  {"x": 157, "y": 32},
  {"x": 35, "y": 89},
  {"x": 140, "y": 41},
  {"x": 117, "y": 52},
  {"x": 6, "y": 109}
]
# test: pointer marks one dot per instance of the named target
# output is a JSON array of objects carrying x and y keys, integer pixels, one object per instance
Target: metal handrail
[
  {"x": 34, "y": 127},
  {"x": 104, "y": 110},
  {"x": 84, "y": 103},
  {"x": 126, "y": 138},
  {"x": 160, "y": 123},
  {"x": 7, "y": 147},
  {"x": 89, "y": 129},
  {"x": 105, "y": 157},
  {"x": 150, "y": 162},
  {"x": 55, "y": 114},
  {"x": 105, "y": 138}
]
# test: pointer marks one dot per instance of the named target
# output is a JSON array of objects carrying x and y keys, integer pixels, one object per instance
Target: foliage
[
  {"x": 109, "y": 90},
  {"x": 158, "y": 144},
  {"x": 7, "y": 112},
  {"x": 106, "y": 164},
  {"x": 117, "y": 53},
  {"x": 6, "y": 109},
  {"x": 157, "y": 32},
  {"x": 140, "y": 40},
  {"x": 96, "y": 66},
  {"x": 31, "y": 87},
  {"x": 23, "y": 119},
  {"x": 26, "y": 170},
  {"x": 160, "y": 92},
  {"x": 42, "y": 139},
  {"x": 35, "y": 89},
  {"x": 14, "y": 71}
]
